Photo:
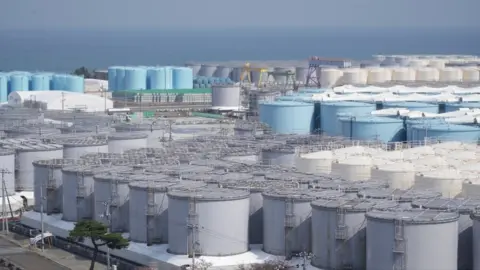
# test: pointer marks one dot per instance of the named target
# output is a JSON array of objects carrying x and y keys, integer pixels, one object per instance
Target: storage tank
[
  {"x": 436, "y": 63},
  {"x": 329, "y": 77},
  {"x": 354, "y": 168},
  {"x": 476, "y": 239},
  {"x": 412, "y": 106},
  {"x": 222, "y": 212},
  {"x": 317, "y": 162},
  {"x": 280, "y": 74},
  {"x": 338, "y": 232},
  {"x": 447, "y": 132},
  {"x": 59, "y": 82},
  {"x": 222, "y": 72},
  {"x": 301, "y": 74},
  {"x": 112, "y": 78},
  {"x": 403, "y": 197},
  {"x": 135, "y": 79},
  {"x": 182, "y": 78},
  {"x": 288, "y": 117},
  {"x": 226, "y": 97},
  {"x": 451, "y": 107},
  {"x": 400, "y": 175},
  {"x": 158, "y": 78},
  {"x": 402, "y": 60},
  {"x": 7, "y": 161},
  {"x": 148, "y": 209},
  {"x": 155, "y": 132},
  {"x": 207, "y": 70},
  {"x": 447, "y": 181},
  {"x": 195, "y": 68},
  {"x": 74, "y": 84},
  {"x": 412, "y": 239},
  {"x": 427, "y": 75},
  {"x": 375, "y": 76},
  {"x": 119, "y": 142},
  {"x": 19, "y": 82},
  {"x": 464, "y": 207},
  {"x": 418, "y": 63},
  {"x": 76, "y": 148},
  {"x": 27, "y": 152},
  {"x": 120, "y": 79},
  {"x": 353, "y": 76},
  {"x": 403, "y": 74},
  {"x": 40, "y": 82},
  {"x": 450, "y": 75},
  {"x": 78, "y": 201},
  {"x": 179, "y": 170},
  {"x": 48, "y": 178},
  {"x": 368, "y": 128},
  {"x": 329, "y": 110},
  {"x": 470, "y": 75},
  {"x": 4, "y": 82},
  {"x": 286, "y": 217},
  {"x": 280, "y": 155}
]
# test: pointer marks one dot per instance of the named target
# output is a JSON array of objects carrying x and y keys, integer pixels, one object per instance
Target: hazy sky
[{"x": 135, "y": 14}]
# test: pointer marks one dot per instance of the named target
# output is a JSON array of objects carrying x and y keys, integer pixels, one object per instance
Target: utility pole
[
  {"x": 41, "y": 217},
  {"x": 107, "y": 216},
  {"x": 63, "y": 102},
  {"x": 4, "y": 205}
]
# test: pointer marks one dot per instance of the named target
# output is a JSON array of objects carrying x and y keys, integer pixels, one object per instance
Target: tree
[
  {"x": 268, "y": 265},
  {"x": 98, "y": 234},
  {"x": 82, "y": 71}
]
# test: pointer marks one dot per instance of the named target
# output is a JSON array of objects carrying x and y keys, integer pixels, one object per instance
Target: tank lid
[
  {"x": 128, "y": 175},
  {"x": 398, "y": 194},
  {"x": 209, "y": 194},
  {"x": 463, "y": 206},
  {"x": 179, "y": 169},
  {"x": 371, "y": 119},
  {"x": 91, "y": 169},
  {"x": 219, "y": 177},
  {"x": 414, "y": 216},
  {"x": 126, "y": 136},
  {"x": 354, "y": 204},
  {"x": 138, "y": 127},
  {"x": 6, "y": 152},
  {"x": 59, "y": 162},
  {"x": 301, "y": 194},
  {"x": 215, "y": 164},
  {"x": 347, "y": 104},
  {"x": 286, "y": 104},
  {"x": 162, "y": 186},
  {"x": 82, "y": 142},
  {"x": 289, "y": 176},
  {"x": 256, "y": 185},
  {"x": 25, "y": 145}
]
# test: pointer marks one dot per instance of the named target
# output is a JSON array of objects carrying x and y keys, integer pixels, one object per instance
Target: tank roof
[
  {"x": 398, "y": 194},
  {"x": 209, "y": 194},
  {"x": 287, "y": 104},
  {"x": 91, "y": 169},
  {"x": 463, "y": 206},
  {"x": 289, "y": 176},
  {"x": 129, "y": 175},
  {"x": 25, "y": 145},
  {"x": 409, "y": 103},
  {"x": 215, "y": 164},
  {"x": 372, "y": 119},
  {"x": 414, "y": 216},
  {"x": 256, "y": 185},
  {"x": 475, "y": 215},
  {"x": 346, "y": 104},
  {"x": 354, "y": 204},
  {"x": 179, "y": 169},
  {"x": 81, "y": 142},
  {"x": 139, "y": 126},
  {"x": 165, "y": 186},
  {"x": 59, "y": 162},
  {"x": 6, "y": 152},
  {"x": 349, "y": 186},
  {"x": 126, "y": 136},
  {"x": 301, "y": 194},
  {"x": 449, "y": 127}
]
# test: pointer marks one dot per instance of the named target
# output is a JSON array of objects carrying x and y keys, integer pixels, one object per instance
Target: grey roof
[
  {"x": 398, "y": 194},
  {"x": 414, "y": 216},
  {"x": 463, "y": 206},
  {"x": 353, "y": 204},
  {"x": 209, "y": 194}
]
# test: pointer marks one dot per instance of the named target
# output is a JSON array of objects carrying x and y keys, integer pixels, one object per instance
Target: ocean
[{"x": 64, "y": 51}]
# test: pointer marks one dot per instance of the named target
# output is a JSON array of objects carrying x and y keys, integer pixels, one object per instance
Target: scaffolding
[{"x": 399, "y": 250}]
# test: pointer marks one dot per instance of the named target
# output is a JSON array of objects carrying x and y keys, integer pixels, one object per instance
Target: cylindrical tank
[
  {"x": 447, "y": 181},
  {"x": 40, "y": 82},
  {"x": 413, "y": 106},
  {"x": 48, "y": 183},
  {"x": 403, "y": 197},
  {"x": 447, "y": 132},
  {"x": 329, "y": 77},
  {"x": 280, "y": 74},
  {"x": 195, "y": 68},
  {"x": 79, "y": 147},
  {"x": 399, "y": 175},
  {"x": 7, "y": 162},
  {"x": 329, "y": 110},
  {"x": 375, "y": 76},
  {"x": 450, "y": 75},
  {"x": 4, "y": 82},
  {"x": 148, "y": 209},
  {"x": 288, "y": 117},
  {"x": 281, "y": 155},
  {"x": 317, "y": 162},
  {"x": 19, "y": 82},
  {"x": 338, "y": 232},
  {"x": 301, "y": 74},
  {"x": 120, "y": 79},
  {"x": 59, "y": 82},
  {"x": 207, "y": 70},
  {"x": 354, "y": 76},
  {"x": 226, "y": 97},
  {"x": 221, "y": 213},
  {"x": 182, "y": 78},
  {"x": 368, "y": 128},
  {"x": 476, "y": 240},
  {"x": 222, "y": 72},
  {"x": 135, "y": 79},
  {"x": 155, "y": 132},
  {"x": 427, "y": 75},
  {"x": 464, "y": 207},
  {"x": 112, "y": 77},
  {"x": 157, "y": 78},
  {"x": 354, "y": 168},
  {"x": 74, "y": 84},
  {"x": 471, "y": 75},
  {"x": 436, "y": 63},
  {"x": 119, "y": 142},
  {"x": 403, "y": 74},
  {"x": 412, "y": 240},
  {"x": 286, "y": 219}
]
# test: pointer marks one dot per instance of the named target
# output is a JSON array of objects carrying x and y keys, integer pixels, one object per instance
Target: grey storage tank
[
  {"x": 154, "y": 131},
  {"x": 48, "y": 183},
  {"x": 215, "y": 220},
  {"x": 77, "y": 148},
  {"x": 148, "y": 220},
  {"x": 217, "y": 179},
  {"x": 280, "y": 155},
  {"x": 286, "y": 217},
  {"x": 301, "y": 180},
  {"x": 412, "y": 240},
  {"x": 7, "y": 162},
  {"x": 464, "y": 207},
  {"x": 179, "y": 170},
  {"x": 28, "y": 151},
  {"x": 338, "y": 231},
  {"x": 348, "y": 186},
  {"x": 476, "y": 240},
  {"x": 123, "y": 141},
  {"x": 404, "y": 197}
]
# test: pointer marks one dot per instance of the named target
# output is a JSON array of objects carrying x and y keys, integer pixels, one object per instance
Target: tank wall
[
  {"x": 310, "y": 165},
  {"x": 384, "y": 132},
  {"x": 135, "y": 79},
  {"x": 351, "y": 172},
  {"x": 226, "y": 97},
  {"x": 278, "y": 158},
  {"x": 112, "y": 79},
  {"x": 396, "y": 180},
  {"x": 288, "y": 119},
  {"x": 74, "y": 84},
  {"x": 40, "y": 82},
  {"x": 476, "y": 244},
  {"x": 53, "y": 196},
  {"x": 76, "y": 152},
  {"x": 25, "y": 177},
  {"x": 120, "y": 146},
  {"x": 328, "y": 116},
  {"x": 75, "y": 204},
  {"x": 19, "y": 83},
  {"x": 8, "y": 162},
  {"x": 182, "y": 78}
]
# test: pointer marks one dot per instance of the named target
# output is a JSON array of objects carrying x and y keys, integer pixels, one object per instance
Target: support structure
[
  {"x": 315, "y": 65},
  {"x": 341, "y": 235},
  {"x": 114, "y": 204},
  {"x": 192, "y": 227},
  {"x": 246, "y": 76},
  {"x": 289, "y": 225},
  {"x": 81, "y": 193},
  {"x": 150, "y": 216},
  {"x": 51, "y": 189},
  {"x": 399, "y": 249}
]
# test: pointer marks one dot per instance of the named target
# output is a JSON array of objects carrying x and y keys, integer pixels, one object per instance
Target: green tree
[
  {"x": 99, "y": 236},
  {"x": 82, "y": 71}
]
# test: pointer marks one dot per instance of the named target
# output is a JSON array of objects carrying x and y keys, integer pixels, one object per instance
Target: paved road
[{"x": 24, "y": 258}]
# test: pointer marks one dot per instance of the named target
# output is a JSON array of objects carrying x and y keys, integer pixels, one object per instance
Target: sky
[{"x": 201, "y": 14}]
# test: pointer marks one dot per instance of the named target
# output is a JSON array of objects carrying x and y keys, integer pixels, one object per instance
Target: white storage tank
[
  {"x": 7, "y": 161},
  {"x": 79, "y": 147},
  {"x": 353, "y": 168},
  {"x": 48, "y": 183},
  {"x": 464, "y": 207},
  {"x": 450, "y": 75},
  {"x": 476, "y": 239},
  {"x": 286, "y": 219},
  {"x": 329, "y": 77},
  {"x": 353, "y": 77},
  {"x": 403, "y": 75},
  {"x": 280, "y": 155},
  {"x": 317, "y": 162},
  {"x": 338, "y": 232},
  {"x": 376, "y": 76},
  {"x": 403, "y": 197},
  {"x": 447, "y": 181},
  {"x": 471, "y": 75},
  {"x": 436, "y": 63},
  {"x": 148, "y": 209},
  {"x": 417, "y": 63},
  {"x": 216, "y": 218},
  {"x": 426, "y": 75},
  {"x": 400, "y": 175},
  {"x": 412, "y": 240},
  {"x": 123, "y": 141},
  {"x": 226, "y": 97}
]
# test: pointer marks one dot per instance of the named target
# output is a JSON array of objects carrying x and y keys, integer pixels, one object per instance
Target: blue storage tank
[
  {"x": 384, "y": 129},
  {"x": 447, "y": 132},
  {"x": 3, "y": 87},
  {"x": 40, "y": 82},
  {"x": 74, "y": 84},
  {"x": 196, "y": 86},
  {"x": 288, "y": 117},
  {"x": 19, "y": 82},
  {"x": 409, "y": 123},
  {"x": 312, "y": 90},
  {"x": 203, "y": 85},
  {"x": 158, "y": 78},
  {"x": 296, "y": 97},
  {"x": 120, "y": 79},
  {"x": 135, "y": 79},
  {"x": 182, "y": 78},
  {"x": 451, "y": 107},
  {"x": 112, "y": 78},
  {"x": 413, "y": 106},
  {"x": 329, "y": 111},
  {"x": 59, "y": 82}
]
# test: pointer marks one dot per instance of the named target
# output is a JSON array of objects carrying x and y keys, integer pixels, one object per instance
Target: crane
[{"x": 246, "y": 74}]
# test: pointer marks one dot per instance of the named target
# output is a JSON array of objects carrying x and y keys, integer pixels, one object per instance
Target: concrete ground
[{"x": 16, "y": 249}]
